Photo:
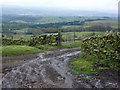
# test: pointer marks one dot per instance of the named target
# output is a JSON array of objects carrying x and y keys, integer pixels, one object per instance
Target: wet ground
[{"x": 50, "y": 70}]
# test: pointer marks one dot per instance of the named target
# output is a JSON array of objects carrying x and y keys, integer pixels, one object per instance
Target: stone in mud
[{"x": 60, "y": 78}]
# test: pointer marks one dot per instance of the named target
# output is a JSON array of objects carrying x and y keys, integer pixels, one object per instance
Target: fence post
[
  {"x": 74, "y": 36},
  {"x": 59, "y": 38}
]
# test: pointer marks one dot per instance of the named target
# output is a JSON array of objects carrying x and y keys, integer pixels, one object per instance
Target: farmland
[{"x": 87, "y": 45}]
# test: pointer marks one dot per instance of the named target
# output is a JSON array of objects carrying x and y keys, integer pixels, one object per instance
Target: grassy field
[
  {"x": 112, "y": 23},
  {"x": 20, "y": 36},
  {"x": 18, "y": 49},
  {"x": 22, "y": 49},
  {"x": 71, "y": 44},
  {"x": 71, "y": 26},
  {"x": 22, "y": 30},
  {"x": 79, "y": 35},
  {"x": 19, "y": 21}
]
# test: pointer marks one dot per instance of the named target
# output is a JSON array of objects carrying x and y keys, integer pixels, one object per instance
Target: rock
[{"x": 60, "y": 78}]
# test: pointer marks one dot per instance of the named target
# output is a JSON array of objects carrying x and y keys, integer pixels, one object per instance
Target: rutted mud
[
  {"x": 47, "y": 71},
  {"x": 50, "y": 70}
]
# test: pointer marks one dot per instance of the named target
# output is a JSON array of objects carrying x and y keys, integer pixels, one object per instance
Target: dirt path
[{"x": 49, "y": 70}]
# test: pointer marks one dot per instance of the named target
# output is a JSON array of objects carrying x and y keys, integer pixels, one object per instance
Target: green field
[
  {"x": 71, "y": 44},
  {"x": 18, "y": 49},
  {"x": 19, "y": 36},
  {"x": 69, "y": 37},
  {"x": 112, "y": 23},
  {"x": 22, "y": 30},
  {"x": 79, "y": 35},
  {"x": 19, "y": 21}
]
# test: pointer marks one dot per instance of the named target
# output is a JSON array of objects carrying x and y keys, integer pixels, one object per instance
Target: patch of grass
[
  {"x": 22, "y": 49},
  {"x": 71, "y": 44},
  {"x": 18, "y": 49},
  {"x": 85, "y": 64}
]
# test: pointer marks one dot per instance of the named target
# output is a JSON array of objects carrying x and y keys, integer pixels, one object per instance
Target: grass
[
  {"x": 19, "y": 21},
  {"x": 22, "y": 30},
  {"x": 71, "y": 26},
  {"x": 18, "y": 49},
  {"x": 22, "y": 49},
  {"x": 19, "y": 36},
  {"x": 112, "y": 23},
  {"x": 71, "y": 44},
  {"x": 79, "y": 35},
  {"x": 85, "y": 64}
]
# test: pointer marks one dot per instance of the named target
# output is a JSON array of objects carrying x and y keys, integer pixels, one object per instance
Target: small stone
[
  {"x": 60, "y": 78},
  {"x": 30, "y": 86}
]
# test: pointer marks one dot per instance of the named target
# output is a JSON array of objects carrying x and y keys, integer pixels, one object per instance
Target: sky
[{"x": 94, "y": 5}]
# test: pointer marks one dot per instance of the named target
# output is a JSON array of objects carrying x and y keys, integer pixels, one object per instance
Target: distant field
[
  {"x": 79, "y": 35},
  {"x": 71, "y": 44},
  {"x": 19, "y": 21},
  {"x": 65, "y": 35},
  {"x": 54, "y": 19},
  {"x": 112, "y": 23},
  {"x": 71, "y": 26},
  {"x": 22, "y": 30},
  {"x": 21, "y": 36},
  {"x": 69, "y": 37}
]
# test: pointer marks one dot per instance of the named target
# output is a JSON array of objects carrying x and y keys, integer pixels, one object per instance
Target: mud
[
  {"x": 50, "y": 70},
  {"x": 47, "y": 71}
]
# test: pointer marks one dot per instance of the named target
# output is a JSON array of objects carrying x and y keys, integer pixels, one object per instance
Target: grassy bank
[{"x": 86, "y": 64}]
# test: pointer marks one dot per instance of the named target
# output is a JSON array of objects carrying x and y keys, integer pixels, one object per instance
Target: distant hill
[{"x": 16, "y": 10}]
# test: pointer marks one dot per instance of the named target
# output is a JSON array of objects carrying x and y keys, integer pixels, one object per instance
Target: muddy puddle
[{"x": 49, "y": 70}]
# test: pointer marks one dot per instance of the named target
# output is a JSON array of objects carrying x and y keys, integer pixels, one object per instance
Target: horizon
[{"x": 105, "y": 6}]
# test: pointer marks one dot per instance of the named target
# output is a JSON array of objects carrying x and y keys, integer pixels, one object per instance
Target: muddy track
[{"x": 49, "y": 70}]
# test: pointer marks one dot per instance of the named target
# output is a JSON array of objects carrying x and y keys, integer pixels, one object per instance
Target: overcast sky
[{"x": 94, "y": 5}]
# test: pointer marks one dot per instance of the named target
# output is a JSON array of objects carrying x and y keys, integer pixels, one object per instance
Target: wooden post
[
  {"x": 59, "y": 38},
  {"x": 74, "y": 29},
  {"x": 74, "y": 36}
]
